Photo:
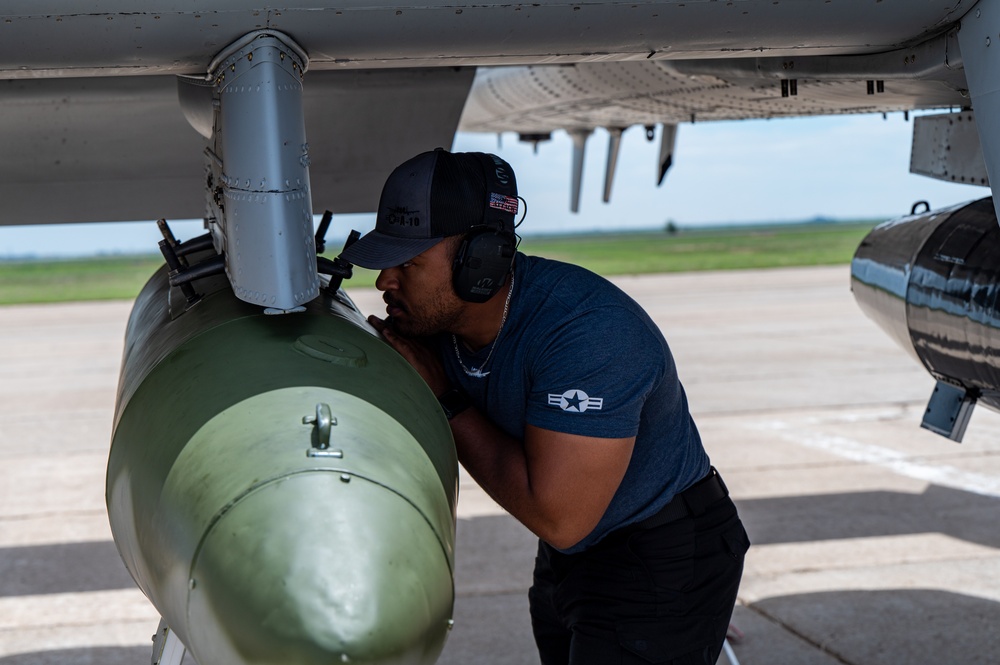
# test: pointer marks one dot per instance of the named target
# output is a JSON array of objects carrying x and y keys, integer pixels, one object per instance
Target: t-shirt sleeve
[{"x": 592, "y": 376}]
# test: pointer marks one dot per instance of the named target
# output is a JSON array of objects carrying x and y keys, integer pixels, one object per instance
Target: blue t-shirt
[{"x": 577, "y": 355}]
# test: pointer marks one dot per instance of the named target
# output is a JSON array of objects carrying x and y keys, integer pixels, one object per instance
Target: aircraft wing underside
[
  {"x": 120, "y": 148},
  {"x": 92, "y": 129},
  {"x": 621, "y": 94}
]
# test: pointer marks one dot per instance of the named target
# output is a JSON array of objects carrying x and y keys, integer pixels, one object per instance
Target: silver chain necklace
[{"x": 477, "y": 372}]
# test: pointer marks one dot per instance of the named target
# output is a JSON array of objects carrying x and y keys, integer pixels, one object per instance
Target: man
[{"x": 565, "y": 407}]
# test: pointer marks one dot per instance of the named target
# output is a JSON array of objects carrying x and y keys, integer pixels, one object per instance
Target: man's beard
[{"x": 438, "y": 314}]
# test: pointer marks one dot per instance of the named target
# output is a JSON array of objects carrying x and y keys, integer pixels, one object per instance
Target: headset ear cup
[
  {"x": 482, "y": 264},
  {"x": 483, "y": 261}
]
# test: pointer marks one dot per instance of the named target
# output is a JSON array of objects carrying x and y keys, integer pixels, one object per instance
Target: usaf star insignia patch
[{"x": 576, "y": 401}]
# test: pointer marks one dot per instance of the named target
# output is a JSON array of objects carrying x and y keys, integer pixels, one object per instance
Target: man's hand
[{"x": 422, "y": 357}]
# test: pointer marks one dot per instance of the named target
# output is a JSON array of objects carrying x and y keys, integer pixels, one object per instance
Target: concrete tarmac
[{"x": 874, "y": 541}]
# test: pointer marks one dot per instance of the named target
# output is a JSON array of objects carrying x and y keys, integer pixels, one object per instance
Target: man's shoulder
[
  {"x": 566, "y": 280},
  {"x": 543, "y": 265},
  {"x": 568, "y": 297}
]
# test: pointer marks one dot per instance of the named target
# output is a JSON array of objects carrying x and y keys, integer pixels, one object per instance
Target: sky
[{"x": 751, "y": 171}]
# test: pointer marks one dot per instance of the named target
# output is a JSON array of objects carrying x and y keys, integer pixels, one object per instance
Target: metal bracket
[
  {"x": 981, "y": 61},
  {"x": 668, "y": 140},
  {"x": 579, "y": 137},
  {"x": 259, "y": 165},
  {"x": 614, "y": 147},
  {"x": 324, "y": 422},
  {"x": 167, "y": 647},
  {"x": 949, "y": 411},
  {"x": 946, "y": 147}
]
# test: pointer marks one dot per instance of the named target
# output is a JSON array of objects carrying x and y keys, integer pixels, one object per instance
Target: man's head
[{"x": 439, "y": 194}]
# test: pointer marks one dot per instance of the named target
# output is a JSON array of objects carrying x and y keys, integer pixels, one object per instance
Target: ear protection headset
[{"x": 483, "y": 261}]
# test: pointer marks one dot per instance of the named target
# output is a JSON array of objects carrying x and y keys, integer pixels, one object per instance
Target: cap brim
[{"x": 378, "y": 251}]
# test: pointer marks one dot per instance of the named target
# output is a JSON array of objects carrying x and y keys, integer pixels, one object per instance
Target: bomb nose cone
[{"x": 320, "y": 567}]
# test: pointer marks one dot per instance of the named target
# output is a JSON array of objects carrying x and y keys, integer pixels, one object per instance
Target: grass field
[
  {"x": 104, "y": 278},
  {"x": 768, "y": 247},
  {"x": 108, "y": 278}
]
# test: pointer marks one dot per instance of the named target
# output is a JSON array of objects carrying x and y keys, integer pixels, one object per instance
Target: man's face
[{"x": 419, "y": 296}]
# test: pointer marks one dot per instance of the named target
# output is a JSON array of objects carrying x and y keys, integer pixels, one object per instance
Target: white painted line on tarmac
[
  {"x": 894, "y": 460},
  {"x": 75, "y": 609}
]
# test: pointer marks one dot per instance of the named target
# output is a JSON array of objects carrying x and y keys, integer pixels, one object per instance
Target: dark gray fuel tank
[{"x": 931, "y": 281}]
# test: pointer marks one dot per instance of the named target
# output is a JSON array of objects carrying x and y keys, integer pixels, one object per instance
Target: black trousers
[{"x": 659, "y": 595}]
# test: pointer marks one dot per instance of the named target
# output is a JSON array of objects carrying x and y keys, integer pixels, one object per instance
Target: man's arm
[{"x": 556, "y": 484}]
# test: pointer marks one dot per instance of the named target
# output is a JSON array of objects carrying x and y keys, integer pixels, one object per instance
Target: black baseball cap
[{"x": 430, "y": 197}]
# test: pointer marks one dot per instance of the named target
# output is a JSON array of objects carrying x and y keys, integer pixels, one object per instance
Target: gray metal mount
[
  {"x": 259, "y": 201},
  {"x": 949, "y": 411}
]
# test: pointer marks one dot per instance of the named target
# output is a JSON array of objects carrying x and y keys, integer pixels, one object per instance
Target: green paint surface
[{"x": 213, "y": 474}]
